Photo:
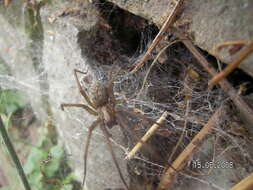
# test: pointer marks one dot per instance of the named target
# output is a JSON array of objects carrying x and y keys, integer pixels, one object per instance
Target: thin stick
[
  {"x": 182, "y": 159},
  {"x": 245, "y": 53},
  {"x": 245, "y": 184},
  {"x": 14, "y": 155},
  {"x": 243, "y": 108},
  {"x": 170, "y": 20},
  {"x": 147, "y": 135},
  {"x": 7, "y": 3},
  {"x": 229, "y": 43},
  {"x": 124, "y": 125}
]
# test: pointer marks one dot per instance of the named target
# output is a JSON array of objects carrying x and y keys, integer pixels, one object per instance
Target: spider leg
[
  {"x": 81, "y": 90},
  {"x": 91, "y": 128},
  {"x": 87, "y": 108},
  {"x": 104, "y": 129}
]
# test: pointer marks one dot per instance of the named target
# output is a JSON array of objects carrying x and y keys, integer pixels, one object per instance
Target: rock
[{"x": 208, "y": 22}]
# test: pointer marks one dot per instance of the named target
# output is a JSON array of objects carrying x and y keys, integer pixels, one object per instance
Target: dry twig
[
  {"x": 243, "y": 108},
  {"x": 245, "y": 184},
  {"x": 7, "y": 3},
  {"x": 170, "y": 20},
  {"x": 236, "y": 43},
  {"x": 245, "y": 53},
  {"x": 148, "y": 134},
  {"x": 182, "y": 159}
]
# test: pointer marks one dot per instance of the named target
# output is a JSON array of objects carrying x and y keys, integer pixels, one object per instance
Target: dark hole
[{"x": 127, "y": 28}]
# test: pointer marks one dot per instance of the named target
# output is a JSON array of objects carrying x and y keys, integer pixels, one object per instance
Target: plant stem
[{"x": 13, "y": 155}]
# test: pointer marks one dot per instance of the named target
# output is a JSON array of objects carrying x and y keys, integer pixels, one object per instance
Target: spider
[{"x": 103, "y": 105}]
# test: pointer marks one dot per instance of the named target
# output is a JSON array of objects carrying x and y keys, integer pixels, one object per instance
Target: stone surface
[{"x": 209, "y": 22}]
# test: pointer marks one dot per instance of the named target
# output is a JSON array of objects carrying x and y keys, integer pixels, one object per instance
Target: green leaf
[
  {"x": 34, "y": 160},
  {"x": 57, "y": 151},
  {"x": 6, "y": 119},
  {"x": 11, "y": 100},
  {"x": 67, "y": 187},
  {"x": 57, "y": 154},
  {"x": 35, "y": 178}
]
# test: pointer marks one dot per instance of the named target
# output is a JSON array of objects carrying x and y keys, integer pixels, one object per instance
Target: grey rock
[{"x": 208, "y": 22}]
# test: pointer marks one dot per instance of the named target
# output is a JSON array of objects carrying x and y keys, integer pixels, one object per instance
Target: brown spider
[{"x": 102, "y": 104}]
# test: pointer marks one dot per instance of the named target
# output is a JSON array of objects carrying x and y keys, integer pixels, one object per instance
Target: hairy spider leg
[
  {"x": 87, "y": 108},
  {"x": 81, "y": 90},
  {"x": 105, "y": 131},
  {"x": 91, "y": 128}
]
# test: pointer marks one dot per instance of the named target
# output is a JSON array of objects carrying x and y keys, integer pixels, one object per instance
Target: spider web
[{"x": 164, "y": 88}]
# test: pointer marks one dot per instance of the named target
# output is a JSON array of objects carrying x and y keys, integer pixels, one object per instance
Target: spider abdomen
[{"x": 99, "y": 94}]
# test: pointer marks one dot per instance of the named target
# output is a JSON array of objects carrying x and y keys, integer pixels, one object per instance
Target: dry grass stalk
[
  {"x": 245, "y": 53},
  {"x": 243, "y": 108},
  {"x": 170, "y": 20},
  {"x": 7, "y": 3},
  {"x": 245, "y": 184},
  {"x": 147, "y": 135},
  {"x": 182, "y": 159},
  {"x": 239, "y": 43}
]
